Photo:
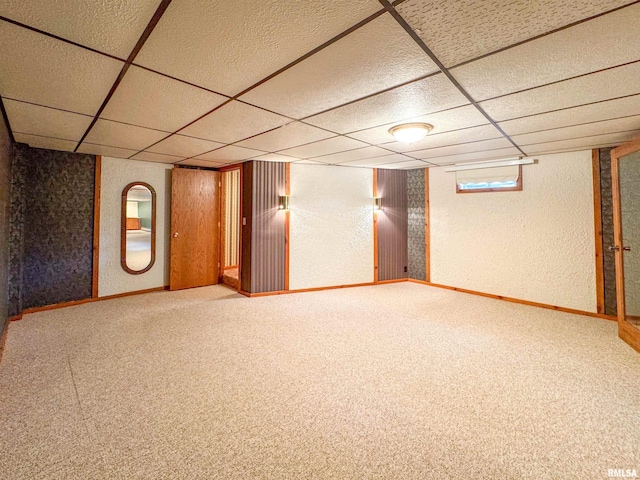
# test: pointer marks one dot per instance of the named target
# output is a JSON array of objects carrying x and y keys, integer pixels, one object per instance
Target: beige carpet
[{"x": 396, "y": 381}]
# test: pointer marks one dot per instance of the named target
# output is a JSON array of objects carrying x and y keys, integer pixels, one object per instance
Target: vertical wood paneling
[
  {"x": 247, "y": 226},
  {"x": 392, "y": 224},
  {"x": 268, "y": 239}
]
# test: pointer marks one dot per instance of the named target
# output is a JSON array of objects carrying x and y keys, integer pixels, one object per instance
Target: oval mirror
[{"x": 138, "y": 237}]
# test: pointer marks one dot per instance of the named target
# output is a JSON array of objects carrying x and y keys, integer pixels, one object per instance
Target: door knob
[
  {"x": 626, "y": 249},
  {"x": 614, "y": 248},
  {"x": 175, "y": 235}
]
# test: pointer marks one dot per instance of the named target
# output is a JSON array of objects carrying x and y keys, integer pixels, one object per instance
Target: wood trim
[
  {"x": 123, "y": 229},
  {"x": 629, "y": 334},
  {"x": 73, "y": 303},
  {"x": 597, "y": 217},
  {"x": 96, "y": 227},
  {"x": 625, "y": 149},
  {"x": 318, "y": 289},
  {"x": 229, "y": 267},
  {"x": 617, "y": 235},
  {"x": 375, "y": 227},
  {"x": 517, "y": 188},
  {"x": 287, "y": 228},
  {"x": 427, "y": 227},
  {"x": 228, "y": 168},
  {"x": 16, "y": 318},
  {"x": 3, "y": 338},
  {"x": 240, "y": 252},
  {"x": 222, "y": 215},
  {"x": 515, "y": 300}
]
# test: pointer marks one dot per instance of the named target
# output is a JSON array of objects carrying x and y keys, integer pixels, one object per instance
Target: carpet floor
[{"x": 399, "y": 381}]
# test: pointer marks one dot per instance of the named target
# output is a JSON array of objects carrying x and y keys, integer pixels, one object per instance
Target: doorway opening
[{"x": 230, "y": 232}]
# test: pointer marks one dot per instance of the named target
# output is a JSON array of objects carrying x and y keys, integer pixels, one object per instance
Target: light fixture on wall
[
  {"x": 283, "y": 202},
  {"x": 377, "y": 204},
  {"x": 410, "y": 132}
]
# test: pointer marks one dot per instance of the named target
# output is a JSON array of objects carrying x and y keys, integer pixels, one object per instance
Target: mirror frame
[{"x": 123, "y": 229}]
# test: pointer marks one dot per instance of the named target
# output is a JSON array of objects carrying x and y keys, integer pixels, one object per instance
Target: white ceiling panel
[
  {"x": 114, "y": 134},
  {"x": 229, "y": 46},
  {"x": 107, "y": 26},
  {"x": 156, "y": 157},
  {"x": 577, "y": 131},
  {"x": 275, "y": 157},
  {"x": 617, "y": 82},
  {"x": 229, "y": 154},
  {"x": 621, "y": 107},
  {"x": 375, "y": 161},
  {"x": 193, "y": 162},
  {"x": 375, "y": 57},
  {"x": 234, "y": 121},
  {"x": 150, "y": 100},
  {"x": 106, "y": 151},
  {"x": 45, "y": 142},
  {"x": 184, "y": 146},
  {"x": 453, "y": 119},
  {"x": 353, "y": 155},
  {"x": 410, "y": 165},
  {"x": 38, "y": 69},
  {"x": 461, "y": 30},
  {"x": 482, "y": 146},
  {"x": 612, "y": 39},
  {"x": 47, "y": 122},
  {"x": 596, "y": 141},
  {"x": 415, "y": 99},
  {"x": 310, "y": 162},
  {"x": 466, "y": 135},
  {"x": 476, "y": 156},
  {"x": 324, "y": 147},
  {"x": 287, "y": 136}
]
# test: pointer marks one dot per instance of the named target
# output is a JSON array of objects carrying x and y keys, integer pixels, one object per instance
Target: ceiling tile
[
  {"x": 454, "y": 137},
  {"x": 590, "y": 129},
  {"x": 462, "y": 30},
  {"x": 234, "y": 121},
  {"x": 587, "y": 143},
  {"x": 184, "y": 147},
  {"x": 606, "y": 85},
  {"x": 410, "y": 165},
  {"x": 106, "y": 151},
  {"x": 259, "y": 38},
  {"x": 275, "y": 157},
  {"x": 230, "y": 153},
  {"x": 612, "y": 39},
  {"x": 150, "y": 100},
  {"x": 377, "y": 56},
  {"x": 287, "y": 136},
  {"x": 475, "y": 156},
  {"x": 309, "y": 162},
  {"x": 482, "y": 146},
  {"x": 38, "y": 69},
  {"x": 373, "y": 162},
  {"x": 45, "y": 142},
  {"x": 156, "y": 157},
  {"x": 621, "y": 107},
  {"x": 193, "y": 162},
  {"x": 453, "y": 119},
  {"x": 353, "y": 155},
  {"x": 114, "y": 134},
  {"x": 324, "y": 147},
  {"x": 418, "y": 98},
  {"x": 47, "y": 122},
  {"x": 111, "y": 27}
]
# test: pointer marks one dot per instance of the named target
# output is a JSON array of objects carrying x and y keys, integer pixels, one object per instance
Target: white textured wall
[
  {"x": 331, "y": 226},
  {"x": 535, "y": 245},
  {"x": 117, "y": 174}
]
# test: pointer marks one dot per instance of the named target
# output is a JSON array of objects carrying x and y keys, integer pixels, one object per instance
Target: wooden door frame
[
  {"x": 223, "y": 221},
  {"x": 626, "y": 331}
]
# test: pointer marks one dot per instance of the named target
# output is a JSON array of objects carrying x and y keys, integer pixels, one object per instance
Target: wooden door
[
  {"x": 625, "y": 169},
  {"x": 195, "y": 228}
]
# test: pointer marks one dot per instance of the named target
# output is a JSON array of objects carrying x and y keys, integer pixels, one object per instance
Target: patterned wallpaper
[
  {"x": 416, "y": 217},
  {"x": 5, "y": 182},
  {"x": 610, "y": 304},
  {"x": 51, "y": 241}
]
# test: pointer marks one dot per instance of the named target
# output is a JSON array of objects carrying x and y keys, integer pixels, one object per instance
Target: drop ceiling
[{"x": 201, "y": 83}]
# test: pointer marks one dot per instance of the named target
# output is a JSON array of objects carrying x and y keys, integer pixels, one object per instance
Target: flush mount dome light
[{"x": 410, "y": 132}]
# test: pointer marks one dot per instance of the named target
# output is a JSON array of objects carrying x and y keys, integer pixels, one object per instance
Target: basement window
[{"x": 494, "y": 179}]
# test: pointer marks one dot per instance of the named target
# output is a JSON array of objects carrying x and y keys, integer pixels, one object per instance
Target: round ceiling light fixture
[{"x": 410, "y": 132}]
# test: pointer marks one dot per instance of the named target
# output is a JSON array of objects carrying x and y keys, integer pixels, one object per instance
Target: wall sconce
[
  {"x": 377, "y": 204},
  {"x": 283, "y": 202}
]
